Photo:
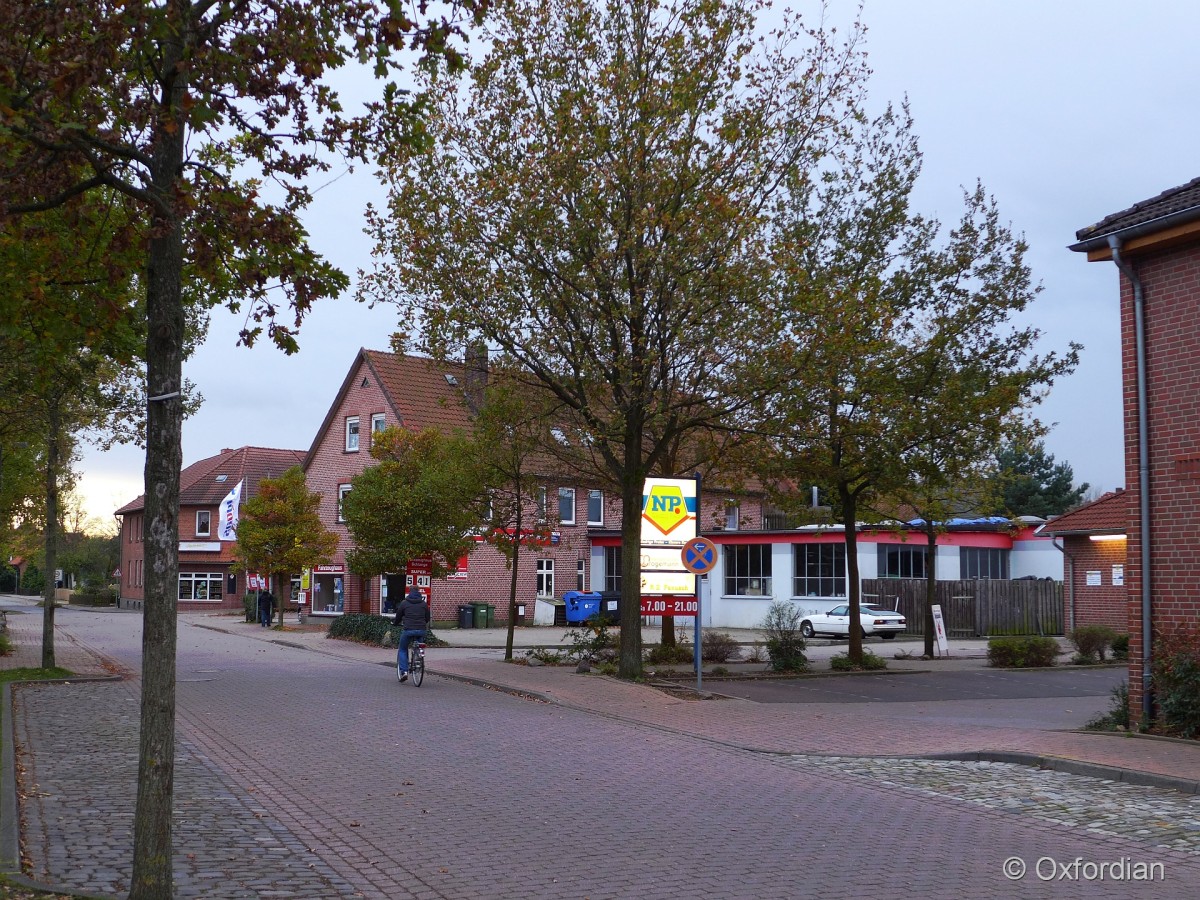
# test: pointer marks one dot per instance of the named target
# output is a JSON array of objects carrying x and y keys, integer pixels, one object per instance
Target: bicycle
[{"x": 416, "y": 663}]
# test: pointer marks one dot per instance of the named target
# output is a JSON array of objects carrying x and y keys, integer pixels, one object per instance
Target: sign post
[{"x": 939, "y": 630}]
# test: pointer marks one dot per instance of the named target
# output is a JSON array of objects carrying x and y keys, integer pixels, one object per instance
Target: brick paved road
[{"x": 303, "y": 775}]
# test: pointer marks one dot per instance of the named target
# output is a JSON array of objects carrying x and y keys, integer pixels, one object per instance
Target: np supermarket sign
[{"x": 668, "y": 511}]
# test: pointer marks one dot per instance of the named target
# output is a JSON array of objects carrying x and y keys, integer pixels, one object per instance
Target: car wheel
[
  {"x": 888, "y": 636},
  {"x": 806, "y": 629}
]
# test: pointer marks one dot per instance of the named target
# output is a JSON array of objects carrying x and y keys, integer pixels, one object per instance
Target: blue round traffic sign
[{"x": 699, "y": 555}]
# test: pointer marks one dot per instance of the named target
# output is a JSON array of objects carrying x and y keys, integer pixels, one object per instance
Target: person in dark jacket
[
  {"x": 266, "y": 608},
  {"x": 412, "y": 615}
]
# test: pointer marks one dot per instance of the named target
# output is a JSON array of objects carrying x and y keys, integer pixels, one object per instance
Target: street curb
[{"x": 1074, "y": 767}]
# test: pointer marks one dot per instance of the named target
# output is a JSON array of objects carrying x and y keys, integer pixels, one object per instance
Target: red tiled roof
[
  {"x": 1108, "y": 514},
  {"x": 202, "y": 484},
  {"x": 423, "y": 395},
  {"x": 1175, "y": 202}
]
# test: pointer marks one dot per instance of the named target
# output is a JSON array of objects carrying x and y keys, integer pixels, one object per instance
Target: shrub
[
  {"x": 719, "y": 647},
  {"x": 546, "y": 656},
  {"x": 670, "y": 654},
  {"x": 785, "y": 643},
  {"x": 370, "y": 629},
  {"x": 1027, "y": 651},
  {"x": 719, "y": 671},
  {"x": 1092, "y": 641},
  {"x": 870, "y": 662},
  {"x": 95, "y": 595},
  {"x": 1118, "y": 713},
  {"x": 250, "y": 602},
  {"x": 1120, "y": 646},
  {"x": 1175, "y": 667},
  {"x": 593, "y": 643}
]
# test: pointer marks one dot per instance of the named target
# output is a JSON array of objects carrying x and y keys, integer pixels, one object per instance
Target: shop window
[
  {"x": 748, "y": 570},
  {"x": 612, "y": 569},
  {"x": 820, "y": 570},
  {"x": 901, "y": 561},
  {"x": 200, "y": 586},
  {"x": 988, "y": 563}
]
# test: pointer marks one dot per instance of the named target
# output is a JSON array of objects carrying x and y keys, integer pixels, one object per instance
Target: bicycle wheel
[{"x": 416, "y": 666}]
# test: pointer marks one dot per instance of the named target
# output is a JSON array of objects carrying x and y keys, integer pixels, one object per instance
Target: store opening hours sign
[{"x": 669, "y": 606}]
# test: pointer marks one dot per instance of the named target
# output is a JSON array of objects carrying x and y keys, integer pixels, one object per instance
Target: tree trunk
[
  {"x": 854, "y": 589},
  {"x": 512, "y": 585},
  {"x": 152, "y": 844},
  {"x": 667, "y": 639},
  {"x": 51, "y": 536},
  {"x": 930, "y": 588},
  {"x": 630, "y": 660}
]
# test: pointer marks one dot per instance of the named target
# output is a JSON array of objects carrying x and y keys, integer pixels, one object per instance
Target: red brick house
[
  {"x": 1155, "y": 246},
  {"x": 1093, "y": 544},
  {"x": 205, "y": 579}
]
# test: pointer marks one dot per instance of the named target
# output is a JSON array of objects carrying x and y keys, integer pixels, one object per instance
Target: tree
[
  {"x": 595, "y": 206},
  {"x": 1032, "y": 484},
  {"x": 280, "y": 531},
  {"x": 903, "y": 361},
  {"x": 160, "y": 102},
  {"x": 424, "y": 498},
  {"x": 510, "y": 433}
]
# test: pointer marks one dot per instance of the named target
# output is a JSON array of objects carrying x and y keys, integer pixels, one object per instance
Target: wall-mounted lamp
[{"x": 1106, "y": 537}]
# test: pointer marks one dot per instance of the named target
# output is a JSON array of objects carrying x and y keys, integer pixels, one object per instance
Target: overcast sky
[{"x": 1066, "y": 112}]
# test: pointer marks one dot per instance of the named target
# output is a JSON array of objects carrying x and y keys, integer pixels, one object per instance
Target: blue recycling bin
[{"x": 581, "y": 606}]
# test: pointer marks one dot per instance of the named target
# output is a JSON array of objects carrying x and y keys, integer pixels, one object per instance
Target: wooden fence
[{"x": 975, "y": 608}]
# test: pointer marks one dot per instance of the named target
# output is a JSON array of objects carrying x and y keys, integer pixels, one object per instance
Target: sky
[{"x": 1064, "y": 111}]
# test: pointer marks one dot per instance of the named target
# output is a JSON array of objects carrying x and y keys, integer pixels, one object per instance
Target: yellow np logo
[{"x": 665, "y": 507}]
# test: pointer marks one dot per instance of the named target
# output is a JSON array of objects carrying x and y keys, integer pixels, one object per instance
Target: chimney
[{"x": 475, "y": 364}]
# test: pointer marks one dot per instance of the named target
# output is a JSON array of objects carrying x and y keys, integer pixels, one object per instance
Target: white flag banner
[{"x": 227, "y": 530}]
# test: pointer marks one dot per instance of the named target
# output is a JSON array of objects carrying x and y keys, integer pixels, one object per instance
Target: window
[
  {"x": 200, "y": 586},
  {"x": 352, "y": 434},
  {"x": 343, "y": 490},
  {"x": 541, "y": 503},
  {"x": 545, "y": 578},
  {"x": 203, "y": 523},
  {"x": 748, "y": 570},
  {"x": 732, "y": 515},
  {"x": 982, "y": 563},
  {"x": 595, "y": 507},
  {"x": 901, "y": 561},
  {"x": 612, "y": 568},
  {"x": 580, "y": 573},
  {"x": 566, "y": 506},
  {"x": 820, "y": 570},
  {"x": 378, "y": 422}
]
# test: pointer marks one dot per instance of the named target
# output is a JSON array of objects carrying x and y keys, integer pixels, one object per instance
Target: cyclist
[{"x": 412, "y": 615}]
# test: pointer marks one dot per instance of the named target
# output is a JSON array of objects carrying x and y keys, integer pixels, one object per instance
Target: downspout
[
  {"x": 1139, "y": 324},
  {"x": 1061, "y": 548}
]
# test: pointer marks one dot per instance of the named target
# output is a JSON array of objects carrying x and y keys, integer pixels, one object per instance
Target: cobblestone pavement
[
  {"x": 1162, "y": 818},
  {"x": 306, "y": 771}
]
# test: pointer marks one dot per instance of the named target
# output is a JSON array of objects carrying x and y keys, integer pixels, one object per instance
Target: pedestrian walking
[{"x": 266, "y": 608}]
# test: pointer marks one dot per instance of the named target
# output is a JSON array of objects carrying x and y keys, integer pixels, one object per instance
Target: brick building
[
  {"x": 205, "y": 578},
  {"x": 1155, "y": 246},
  {"x": 1093, "y": 544}
]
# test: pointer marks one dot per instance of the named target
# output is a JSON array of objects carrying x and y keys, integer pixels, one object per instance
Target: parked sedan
[{"x": 876, "y": 619}]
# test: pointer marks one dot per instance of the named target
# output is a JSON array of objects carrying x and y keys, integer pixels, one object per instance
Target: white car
[{"x": 876, "y": 619}]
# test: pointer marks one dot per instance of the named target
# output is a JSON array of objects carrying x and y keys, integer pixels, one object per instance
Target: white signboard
[
  {"x": 1118, "y": 576},
  {"x": 939, "y": 631},
  {"x": 1094, "y": 578},
  {"x": 668, "y": 523}
]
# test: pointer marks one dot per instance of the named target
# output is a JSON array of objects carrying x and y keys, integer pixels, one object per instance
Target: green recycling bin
[
  {"x": 481, "y": 616},
  {"x": 491, "y": 615}
]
